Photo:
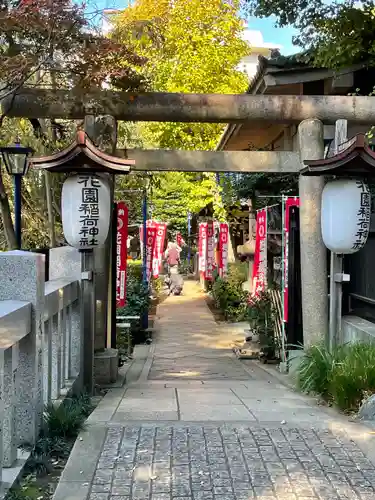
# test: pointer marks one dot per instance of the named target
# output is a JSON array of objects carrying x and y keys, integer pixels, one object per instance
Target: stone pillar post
[
  {"x": 23, "y": 279},
  {"x": 103, "y": 131},
  {"x": 313, "y": 252}
]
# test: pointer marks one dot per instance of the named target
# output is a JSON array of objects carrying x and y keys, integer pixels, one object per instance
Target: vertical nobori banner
[
  {"x": 260, "y": 256},
  {"x": 289, "y": 202},
  {"x": 180, "y": 240},
  {"x": 202, "y": 247},
  {"x": 150, "y": 246},
  {"x": 122, "y": 253},
  {"x": 161, "y": 230},
  {"x": 223, "y": 249},
  {"x": 210, "y": 251}
]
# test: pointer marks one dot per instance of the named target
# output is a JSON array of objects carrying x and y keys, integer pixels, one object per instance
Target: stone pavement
[{"x": 200, "y": 425}]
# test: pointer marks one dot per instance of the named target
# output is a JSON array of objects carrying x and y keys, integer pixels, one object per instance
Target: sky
[{"x": 279, "y": 36}]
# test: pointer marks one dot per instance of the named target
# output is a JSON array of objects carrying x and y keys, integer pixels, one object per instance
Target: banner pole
[{"x": 283, "y": 249}]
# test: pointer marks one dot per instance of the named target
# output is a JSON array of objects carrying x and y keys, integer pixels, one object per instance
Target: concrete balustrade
[{"x": 40, "y": 349}]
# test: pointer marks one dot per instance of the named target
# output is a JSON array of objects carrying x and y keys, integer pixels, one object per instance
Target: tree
[
  {"x": 40, "y": 37},
  {"x": 333, "y": 34},
  {"x": 35, "y": 230},
  {"x": 54, "y": 43},
  {"x": 190, "y": 46}
]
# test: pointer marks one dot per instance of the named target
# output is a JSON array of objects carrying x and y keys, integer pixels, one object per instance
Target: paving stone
[
  {"x": 151, "y": 458},
  {"x": 99, "y": 496}
]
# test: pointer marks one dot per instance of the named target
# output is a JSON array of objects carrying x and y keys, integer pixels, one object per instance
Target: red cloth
[{"x": 173, "y": 257}]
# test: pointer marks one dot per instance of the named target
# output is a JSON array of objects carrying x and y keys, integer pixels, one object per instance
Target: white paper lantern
[
  {"x": 346, "y": 213},
  {"x": 86, "y": 211}
]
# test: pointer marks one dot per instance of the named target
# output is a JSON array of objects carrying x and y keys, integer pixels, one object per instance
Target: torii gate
[{"x": 309, "y": 112}]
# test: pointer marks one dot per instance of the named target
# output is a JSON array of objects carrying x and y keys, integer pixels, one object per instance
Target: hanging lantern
[
  {"x": 346, "y": 213},
  {"x": 86, "y": 211}
]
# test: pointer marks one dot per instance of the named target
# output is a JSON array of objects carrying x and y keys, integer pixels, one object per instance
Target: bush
[
  {"x": 262, "y": 317},
  {"x": 229, "y": 298},
  {"x": 315, "y": 369},
  {"x": 238, "y": 273},
  {"x": 354, "y": 377},
  {"x": 344, "y": 376},
  {"x": 61, "y": 425}
]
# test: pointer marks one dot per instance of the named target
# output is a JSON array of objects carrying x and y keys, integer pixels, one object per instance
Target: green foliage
[
  {"x": 238, "y": 273},
  {"x": 137, "y": 294},
  {"x": 332, "y": 34},
  {"x": 174, "y": 194},
  {"x": 157, "y": 286},
  {"x": 190, "y": 47},
  {"x": 228, "y": 295},
  {"x": 315, "y": 369},
  {"x": 64, "y": 421},
  {"x": 344, "y": 376},
  {"x": 61, "y": 425},
  {"x": 186, "y": 268},
  {"x": 137, "y": 304},
  {"x": 354, "y": 377},
  {"x": 262, "y": 319}
]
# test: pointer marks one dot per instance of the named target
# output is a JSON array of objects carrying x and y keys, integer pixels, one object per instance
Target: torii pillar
[
  {"x": 314, "y": 279},
  {"x": 102, "y": 130}
]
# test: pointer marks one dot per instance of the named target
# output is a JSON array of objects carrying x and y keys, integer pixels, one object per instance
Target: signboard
[
  {"x": 202, "y": 247},
  {"x": 161, "y": 230},
  {"x": 210, "y": 251},
  {"x": 86, "y": 211},
  {"x": 121, "y": 252},
  {"x": 150, "y": 247},
  {"x": 260, "y": 256},
  {"x": 289, "y": 202},
  {"x": 223, "y": 249}
]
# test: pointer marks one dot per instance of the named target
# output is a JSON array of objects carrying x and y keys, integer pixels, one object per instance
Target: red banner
[
  {"x": 202, "y": 245},
  {"x": 289, "y": 202},
  {"x": 179, "y": 240},
  {"x": 260, "y": 256},
  {"x": 210, "y": 252},
  {"x": 223, "y": 249},
  {"x": 150, "y": 247},
  {"x": 161, "y": 230},
  {"x": 121, "y": 253}
]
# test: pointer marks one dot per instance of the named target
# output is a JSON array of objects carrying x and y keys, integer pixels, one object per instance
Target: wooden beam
[
  {"x": 210, "y": 108},
  {"x": 213, "y": 161}
]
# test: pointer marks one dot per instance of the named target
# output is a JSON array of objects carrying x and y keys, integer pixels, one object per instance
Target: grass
[
  {"x": 344, "y": 376},
  {"x": 61, "y": 425}
]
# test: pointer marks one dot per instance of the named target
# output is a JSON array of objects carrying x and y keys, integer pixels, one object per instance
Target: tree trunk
[{"x": 6, "y": 216}]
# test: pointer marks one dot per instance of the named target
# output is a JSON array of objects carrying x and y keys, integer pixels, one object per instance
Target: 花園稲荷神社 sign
[{"x": 86, "y": 211}]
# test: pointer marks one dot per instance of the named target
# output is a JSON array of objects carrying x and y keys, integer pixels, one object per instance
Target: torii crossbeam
[{"x": 209, "y": 108}]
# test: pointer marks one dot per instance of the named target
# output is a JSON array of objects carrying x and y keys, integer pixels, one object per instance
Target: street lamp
[{"x": 16, "y": 161}]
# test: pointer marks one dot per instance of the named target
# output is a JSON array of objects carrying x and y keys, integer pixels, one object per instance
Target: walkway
[{"x": 200, "y": 425}]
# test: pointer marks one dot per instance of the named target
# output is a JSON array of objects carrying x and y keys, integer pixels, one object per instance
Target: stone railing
[{"x": 40, "y": 348}]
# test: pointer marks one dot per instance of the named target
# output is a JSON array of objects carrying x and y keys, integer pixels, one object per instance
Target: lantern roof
[
  {"x": 82, "y": 156},
  {"x": 356, "y": 160}
]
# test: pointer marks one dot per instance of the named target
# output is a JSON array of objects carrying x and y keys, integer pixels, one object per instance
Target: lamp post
[{"x": 16, "y": 161}]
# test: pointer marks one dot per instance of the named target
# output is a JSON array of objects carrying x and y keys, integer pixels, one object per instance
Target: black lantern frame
[{"x": 16, "y": 159}]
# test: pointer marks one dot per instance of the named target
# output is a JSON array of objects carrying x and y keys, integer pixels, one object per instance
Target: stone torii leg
[{"x": 313, "y": 252}]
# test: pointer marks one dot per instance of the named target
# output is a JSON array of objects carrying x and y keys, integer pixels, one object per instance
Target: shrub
[
  {"x": 354, "y": 376},
  {"x": 229, "y": 298},
  {"x": 344, "y": 376},
  {"x": 262, "y": 317},
  {"x": 238, "y": 273},
  {"x": 315, "y": 369},
  {"x": 61, "y": 425}
]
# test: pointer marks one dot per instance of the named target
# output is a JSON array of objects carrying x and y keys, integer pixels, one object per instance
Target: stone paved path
[{"x": 199, "y": 425}]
